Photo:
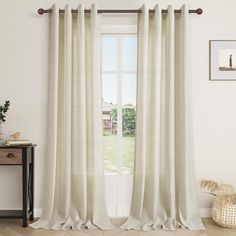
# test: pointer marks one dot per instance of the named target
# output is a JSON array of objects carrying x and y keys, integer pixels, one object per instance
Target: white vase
[{"x": 1, "y": 133}]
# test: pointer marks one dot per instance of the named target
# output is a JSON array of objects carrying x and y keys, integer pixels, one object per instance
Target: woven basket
[{"x": 224, "y": 210}]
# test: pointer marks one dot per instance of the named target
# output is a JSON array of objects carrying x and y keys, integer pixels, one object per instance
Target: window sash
[{"x": 119, "y": 106}]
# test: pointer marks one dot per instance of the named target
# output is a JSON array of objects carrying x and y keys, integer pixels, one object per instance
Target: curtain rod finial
[
  {"x": 41, "y": 11},
  {"x": 199, "y": 11}
]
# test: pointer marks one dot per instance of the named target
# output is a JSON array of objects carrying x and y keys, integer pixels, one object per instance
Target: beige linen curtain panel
[
  {"x": 164, "y": 191},
  {"x": 74, "y": 196}
]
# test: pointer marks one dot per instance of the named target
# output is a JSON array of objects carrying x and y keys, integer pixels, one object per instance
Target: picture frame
[{"x": 222, "y": 60}]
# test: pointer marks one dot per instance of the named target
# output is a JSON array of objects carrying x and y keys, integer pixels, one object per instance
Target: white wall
[{"x": 24, "y": 75}]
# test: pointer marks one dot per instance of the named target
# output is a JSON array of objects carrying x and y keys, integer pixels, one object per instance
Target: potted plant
[{"x": 3, "y": 111}]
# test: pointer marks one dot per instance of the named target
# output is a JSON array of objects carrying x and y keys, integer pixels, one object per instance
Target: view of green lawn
[{"x": 111, "y": 151}]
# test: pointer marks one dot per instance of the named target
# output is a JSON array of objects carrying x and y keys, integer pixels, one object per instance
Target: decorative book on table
[{"x": 18, "y": 142}]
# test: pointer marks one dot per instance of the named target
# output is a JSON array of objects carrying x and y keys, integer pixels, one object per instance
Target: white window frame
[
  {"x": 119, "y": 32},
  {"x": 119, "y": 29}
]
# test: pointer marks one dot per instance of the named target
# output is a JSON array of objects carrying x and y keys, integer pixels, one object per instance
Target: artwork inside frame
[{"x": 222, "y": 60}]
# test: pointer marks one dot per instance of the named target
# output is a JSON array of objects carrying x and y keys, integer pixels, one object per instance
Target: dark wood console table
[{"x": 23, "y": 156}]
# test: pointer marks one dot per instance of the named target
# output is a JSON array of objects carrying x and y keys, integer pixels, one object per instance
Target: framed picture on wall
[{"x": 222, "y": 60}]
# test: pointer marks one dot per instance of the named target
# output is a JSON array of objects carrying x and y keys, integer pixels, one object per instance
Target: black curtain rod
[{"x": 41, "y": 11}]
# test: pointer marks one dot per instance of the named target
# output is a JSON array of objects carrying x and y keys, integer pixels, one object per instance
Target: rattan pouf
[{"x": 224, "y": 210}]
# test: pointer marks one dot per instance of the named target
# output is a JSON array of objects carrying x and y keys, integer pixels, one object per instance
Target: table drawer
[{"x": 10, "y": 156}]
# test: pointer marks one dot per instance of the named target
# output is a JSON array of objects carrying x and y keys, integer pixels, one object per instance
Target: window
[{"x": 119, "y": 73}]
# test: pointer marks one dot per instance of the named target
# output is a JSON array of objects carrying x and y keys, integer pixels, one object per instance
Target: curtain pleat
[
  {"x": 164, "y": 189},
  {"x": 75, "y": 194}
]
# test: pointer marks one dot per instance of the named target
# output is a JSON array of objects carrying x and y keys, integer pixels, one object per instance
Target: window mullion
[{"x": 119, "y": 106}]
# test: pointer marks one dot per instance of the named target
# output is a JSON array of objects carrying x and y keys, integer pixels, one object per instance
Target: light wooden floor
[{"x": 13, "y": 228}]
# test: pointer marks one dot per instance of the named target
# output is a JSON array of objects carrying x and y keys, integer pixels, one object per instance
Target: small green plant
[
  {"x": 106, "y": 133},
  {"x": 3, "y": 111},
  {"x": 128, "y": 120}
]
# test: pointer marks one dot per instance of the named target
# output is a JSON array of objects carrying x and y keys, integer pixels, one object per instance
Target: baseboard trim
[
  {"x": 37, "y": 212},
  {"x": 204, "y": 212}
]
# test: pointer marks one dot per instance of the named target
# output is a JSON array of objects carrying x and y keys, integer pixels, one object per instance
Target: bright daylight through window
[{"x": 119, "y": 75}]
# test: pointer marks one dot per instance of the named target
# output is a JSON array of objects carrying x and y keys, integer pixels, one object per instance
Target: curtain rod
[{"x": 41, "y": 11}]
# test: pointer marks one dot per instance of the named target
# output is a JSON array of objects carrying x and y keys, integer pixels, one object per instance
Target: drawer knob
[{"x": 10, "y": 155}]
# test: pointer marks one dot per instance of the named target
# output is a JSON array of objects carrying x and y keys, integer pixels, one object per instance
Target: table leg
[
  {"x": 25, "y": 186},
  {"x": 32, "y": 185}
]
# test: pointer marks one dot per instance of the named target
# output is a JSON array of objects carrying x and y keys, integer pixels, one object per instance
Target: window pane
[
  {"x": 119, "y": 119},
  {"x": 109, "y": 88},
  {"x": 110, "y": 138},
  {"x": 109, "y": 53},
  {"x": 129, "y": 54},
  {"x": 128, "y": 139},
  {"x": 128, "y": 149},
  {"x": 129, "y": 89},
  {"x": 110, "y": 154}
]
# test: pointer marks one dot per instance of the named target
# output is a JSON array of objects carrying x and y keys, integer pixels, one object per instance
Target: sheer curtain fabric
[
  {"x": 164, "y": 191},
  {"x": 75, "y": 195}
]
